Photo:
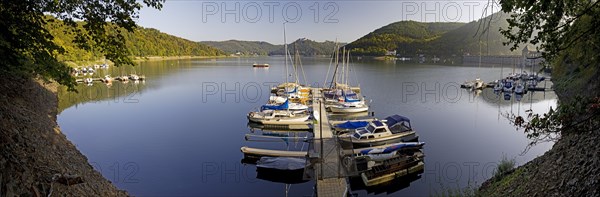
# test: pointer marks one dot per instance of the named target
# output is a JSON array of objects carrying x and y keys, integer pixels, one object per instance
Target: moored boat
[
  {"x": 394, "y": 129},
  {"x": 255, "y": 65},
  {"x": 278, "y": 117}
]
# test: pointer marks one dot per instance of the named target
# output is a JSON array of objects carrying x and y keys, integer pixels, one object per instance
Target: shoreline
[
  {"x": 37, "y": 159},
  {"x": 160, "y": 58}
]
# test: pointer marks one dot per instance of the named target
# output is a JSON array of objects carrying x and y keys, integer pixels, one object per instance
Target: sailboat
[
  {"x": 341, "y": 98},
  {"x": 288, "y": 112}
]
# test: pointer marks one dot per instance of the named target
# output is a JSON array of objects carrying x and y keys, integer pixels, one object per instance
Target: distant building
[{"x": 391, "y": 53}]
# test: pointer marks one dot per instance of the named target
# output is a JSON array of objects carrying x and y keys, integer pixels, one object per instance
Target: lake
[{"x": 179, "y": 133}]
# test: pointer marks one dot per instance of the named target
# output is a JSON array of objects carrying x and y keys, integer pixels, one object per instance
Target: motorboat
[
  {"x": 508, "y": 85},
  {"x": 499, "y": 86},
  {"x": 520, "y": 88},
  {"x": 256, "y": 65},
  {"x": 478, "y": 84},
  {"x": 278, "y": 117},
  {"x": 134, "y": 77},
  {"x": 393, "y": 129}
]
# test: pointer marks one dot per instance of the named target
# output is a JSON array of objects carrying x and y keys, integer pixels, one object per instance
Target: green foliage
[
  {"x": 142, "y": 42},
  {"x": 505, "y": 165},
  {"x": 580, "y": 114},
  {"x": 243, "y": 47},
  {"x": 457, "y": 191},
  {"x": 307, "y": 47},
  {"x": 409, "y": 38},
  {"x": 568, "y": 34},
  {"x": 27, "y": 47}
]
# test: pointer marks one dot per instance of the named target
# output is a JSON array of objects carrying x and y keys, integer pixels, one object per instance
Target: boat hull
[
  {"x": 345, "y": 109},
  {"x": 410, "y": 136}
]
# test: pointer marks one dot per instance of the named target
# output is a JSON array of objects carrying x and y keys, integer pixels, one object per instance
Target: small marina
[
  {"x": 375, "y": 151},
  {"x": 226, "y": 148}
]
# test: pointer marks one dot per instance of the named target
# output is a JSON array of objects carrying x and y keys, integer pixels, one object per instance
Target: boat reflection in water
[
  {"x": 288, "y": 170},
  {"x": 356, "y": 183}
]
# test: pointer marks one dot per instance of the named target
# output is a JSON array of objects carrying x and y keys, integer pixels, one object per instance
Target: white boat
[
  {"x": 278, "y": 117},
  {"x": 88, "y": 80},
  {"x": 349, "y": 107},
  {"x": 286, "y": 105},
  {"x": 256, "y": 65},
  {"x": 508, "y": 85},
  {"x": 519, "y": 88},
  {"x": 340, "y": 97},
  {"x": 394, "y": 129},
  {"x": 499, "y": 86},
  {"x": 467, "y": 85},
  {"x": 107, "y": 79},
  {"x": 478, "y": 84},
  {"x": 134, "y": 77}
]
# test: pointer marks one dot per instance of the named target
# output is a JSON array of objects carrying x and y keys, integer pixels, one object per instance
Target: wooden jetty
[{"x": 330, "y": 178}]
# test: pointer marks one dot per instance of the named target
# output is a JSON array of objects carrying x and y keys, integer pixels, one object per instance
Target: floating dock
[{"x": 330, "y": 178}]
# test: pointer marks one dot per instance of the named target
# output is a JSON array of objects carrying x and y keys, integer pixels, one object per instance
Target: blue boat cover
[
  {"x": 392, "y": 148},
  {"x": 352, "y": 124},
  {"x": 349, "y": 100},
  {"x": 282, "y": 163},
  {"x": 394, "y": 119},
  {"x": 283, "y": 106},
  {"x": 378, "y": 123}
]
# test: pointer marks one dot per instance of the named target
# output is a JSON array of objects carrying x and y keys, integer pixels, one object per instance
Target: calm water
[{"x": 180, "y": 132}]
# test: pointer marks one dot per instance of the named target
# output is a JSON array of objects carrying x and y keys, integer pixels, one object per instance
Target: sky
[{"x": 344, "y": 21}]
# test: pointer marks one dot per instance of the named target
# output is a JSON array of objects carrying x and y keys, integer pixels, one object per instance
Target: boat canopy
[
  {"x": 283, "y": 106},
  {"x": 377, "y": 123},
  {"x": 350, "y": 97},
  {"x": 395, "y": 119},
  {"x": 352, "y": 124}
]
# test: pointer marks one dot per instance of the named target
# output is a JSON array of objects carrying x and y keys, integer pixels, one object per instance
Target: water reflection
[{"x": 173, "y": 130}]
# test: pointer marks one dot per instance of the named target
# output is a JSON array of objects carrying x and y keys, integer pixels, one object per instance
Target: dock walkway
[{"x": 329, "y": 173}]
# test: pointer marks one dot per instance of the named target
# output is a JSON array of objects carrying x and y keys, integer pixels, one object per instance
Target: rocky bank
[{"x": 36, "y": 159}]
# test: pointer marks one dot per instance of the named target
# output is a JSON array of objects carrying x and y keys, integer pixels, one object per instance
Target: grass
[
  {"x": 504, "y": 166},
  {"x": 469, "y": 191},
  {"x": 501, "y": 181}
]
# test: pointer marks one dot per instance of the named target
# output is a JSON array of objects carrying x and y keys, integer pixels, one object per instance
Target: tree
[
  {"x": 27, "y": 47},
  {"x": 567, "y": 33},
  {"x": 560, "y": 27}
]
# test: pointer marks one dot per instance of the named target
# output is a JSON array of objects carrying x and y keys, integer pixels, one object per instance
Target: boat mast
[
  {"x": 343, "y": 75},
  {"x": 285, "y": 53},
  {"x": 348, "y": 68},
  {"x": 296, "y": 61},
  {"x": 337, "y": 63},
  {"x": 479, "y": 70}
]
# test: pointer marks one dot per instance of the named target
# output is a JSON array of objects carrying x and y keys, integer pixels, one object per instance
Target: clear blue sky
[{"x": 345, "y": 21}]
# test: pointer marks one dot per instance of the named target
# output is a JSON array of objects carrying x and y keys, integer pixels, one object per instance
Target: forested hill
[
  {"x": 306, "y": 47},
  {"x": 143, "y": 42},
  {"x": 409, "y": 38},
  {"x": 243, "y": 47},
  {"x": 406, "y": 35}
]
